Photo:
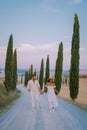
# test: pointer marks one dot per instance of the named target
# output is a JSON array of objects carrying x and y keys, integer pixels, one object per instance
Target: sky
[{"x": 38, "y": 26}]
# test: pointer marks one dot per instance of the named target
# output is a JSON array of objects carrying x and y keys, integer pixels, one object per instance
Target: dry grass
[
  {"x": 5, "y": 99},
  {"x": 81, "y": 101},
  {"x": 1, "y": 80}
]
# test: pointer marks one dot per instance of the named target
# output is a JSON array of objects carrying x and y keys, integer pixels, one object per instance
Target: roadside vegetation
[{"x": 7, "y": 99}]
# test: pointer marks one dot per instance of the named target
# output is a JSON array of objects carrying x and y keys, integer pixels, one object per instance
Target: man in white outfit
[{"x": 34, "y": 89}]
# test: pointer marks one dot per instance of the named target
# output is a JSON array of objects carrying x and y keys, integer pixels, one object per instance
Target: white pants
[{"x": 35, "y": 100}]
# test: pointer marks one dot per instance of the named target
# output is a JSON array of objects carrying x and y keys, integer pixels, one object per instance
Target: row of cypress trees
[
  {"x": 74, "y": 66},
  {"x": 10, "y": 67},
  {"x": 58, "y": 69},
  {"x": 28, "y": 74}
]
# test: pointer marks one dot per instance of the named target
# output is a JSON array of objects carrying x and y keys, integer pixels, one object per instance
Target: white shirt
[{"x": 33, "y": 86}]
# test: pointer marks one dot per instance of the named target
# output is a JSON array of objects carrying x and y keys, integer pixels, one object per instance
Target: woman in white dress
[{"x": 52, "y": 99}]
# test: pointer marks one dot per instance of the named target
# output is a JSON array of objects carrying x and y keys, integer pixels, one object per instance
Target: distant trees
[
  {"x": 59, "y": 67},
  {"x": 41, "y": 75},
  {"x": 47, "y": 72},
  {"x": 10, "y": 67},
  {"x": 74, "y": 68},
  {"x": 28, "y": 75}
]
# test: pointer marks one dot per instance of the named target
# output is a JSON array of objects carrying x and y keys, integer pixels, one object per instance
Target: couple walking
[{"x": 34, "y": 89}]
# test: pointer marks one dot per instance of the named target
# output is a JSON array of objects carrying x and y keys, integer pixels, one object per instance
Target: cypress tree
[
  {"x": 31, "y": 71},
  {"x": 74, "y": 68},
  {"x": 14, "y": 70},
  {"x": 41, "y": 75},
  {"x": 9, "y": 65},
  {"x": 58, "y": 68},
  {"x": 26, "y": 78},
  {"x": 28, "y": 75},
  {"x": 47, "y": 72}
]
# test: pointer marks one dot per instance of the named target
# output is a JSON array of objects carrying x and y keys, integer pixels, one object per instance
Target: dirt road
[{"x": 21, "y": 117}]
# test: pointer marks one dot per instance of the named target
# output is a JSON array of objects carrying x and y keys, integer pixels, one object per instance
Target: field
[{"x": 81, "y": 101}]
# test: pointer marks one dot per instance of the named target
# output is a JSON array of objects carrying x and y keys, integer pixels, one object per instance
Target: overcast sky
[{"x": 38, "y": 26}]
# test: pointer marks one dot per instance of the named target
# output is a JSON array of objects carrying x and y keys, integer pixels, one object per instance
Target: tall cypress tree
[
  {"x": 14, "y": 70},
  {"x": 74, "y": 68},
  {"x": 26, "y": 78},
  {"x": 41, "y": 75},
  {"x": 9, "y": 65},
  {"x": 47, "y": 72},
  {"x": 58, "y": 68}
]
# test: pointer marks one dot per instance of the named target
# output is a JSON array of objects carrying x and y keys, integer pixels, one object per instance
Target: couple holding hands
[{"x": 34, "y": 89}]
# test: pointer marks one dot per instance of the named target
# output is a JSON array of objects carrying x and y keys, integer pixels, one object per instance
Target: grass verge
[{"x": 7, "y": 100}]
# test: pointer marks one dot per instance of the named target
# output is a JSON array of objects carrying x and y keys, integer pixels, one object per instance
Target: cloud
[
  {"x": 31, "y": 54},
  {"x": 38, "y": 47},
  {"x": 28, "y": 54}
]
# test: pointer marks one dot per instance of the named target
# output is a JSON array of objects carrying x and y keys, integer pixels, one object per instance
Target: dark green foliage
[
  {"x": 74, "y": 68},
  {"x": 28, "y": 75},
  {"x": 26, "y": 78},
  {"x": 14, "y": 70},
  {"x": 9, "y": 65},
  {"x": 47, "y": 73},
  {"x": 31, "y": 71},
  {"x": 41, "y": 75},
  {"x": 58, "y": 68}
]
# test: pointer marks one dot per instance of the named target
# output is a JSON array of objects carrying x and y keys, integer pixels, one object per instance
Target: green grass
[{"x": 7, "y": 99}]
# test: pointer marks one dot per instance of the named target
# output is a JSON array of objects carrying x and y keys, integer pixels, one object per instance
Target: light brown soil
[{"x": 81, "y": 101}]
